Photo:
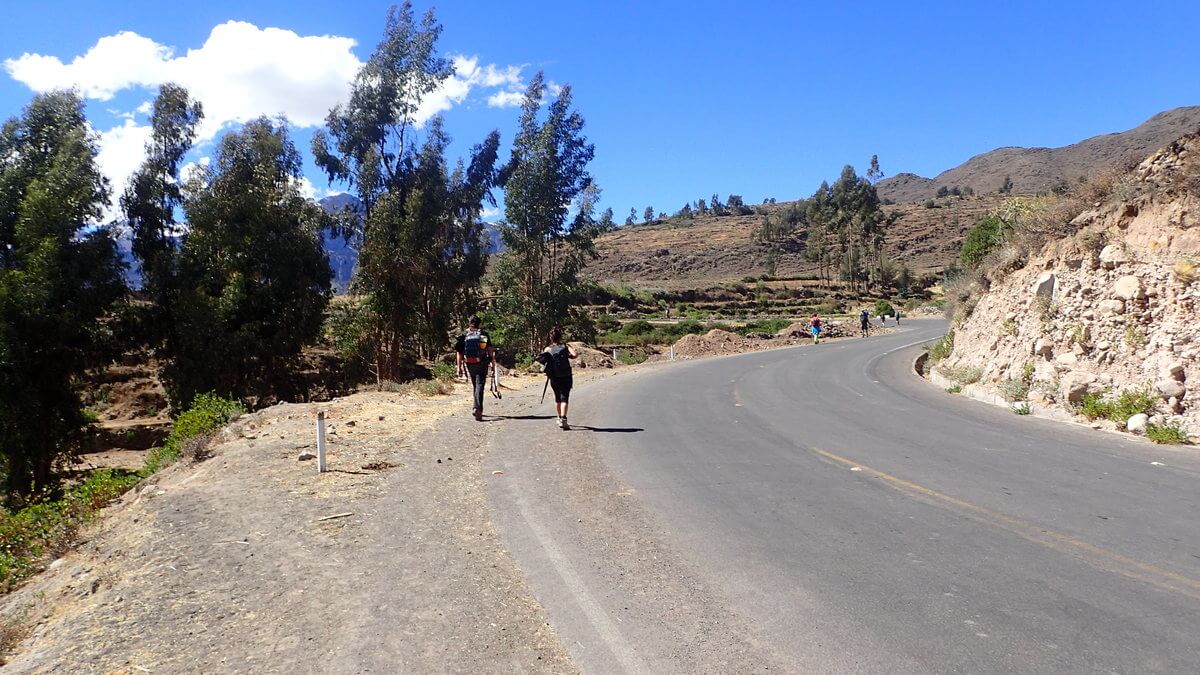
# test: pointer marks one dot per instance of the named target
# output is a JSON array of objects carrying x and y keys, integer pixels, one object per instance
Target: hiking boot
[
  {"x": 478, "y": 414},
  {"x": 562, "y": 423}
]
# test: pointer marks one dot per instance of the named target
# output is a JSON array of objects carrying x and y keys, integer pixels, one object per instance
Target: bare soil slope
[{"x": 715, "y": 250}]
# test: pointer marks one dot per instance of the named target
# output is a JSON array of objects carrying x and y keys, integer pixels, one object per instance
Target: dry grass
[{"x": 1186, "y": 271}]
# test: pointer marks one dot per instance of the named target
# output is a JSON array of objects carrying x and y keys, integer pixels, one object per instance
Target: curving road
[{"x": 821, "y": 508}]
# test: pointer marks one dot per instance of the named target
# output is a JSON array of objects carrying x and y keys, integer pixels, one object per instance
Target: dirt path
[{"x": 236, "y": 565}]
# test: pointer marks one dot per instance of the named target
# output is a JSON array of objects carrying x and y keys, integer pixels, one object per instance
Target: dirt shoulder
[
  {"x": 246, "y": 563},
  {"x": 251, "y": 561}
]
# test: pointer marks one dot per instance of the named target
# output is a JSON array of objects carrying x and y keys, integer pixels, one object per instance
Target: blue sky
[{"x": 763, "y": 99}]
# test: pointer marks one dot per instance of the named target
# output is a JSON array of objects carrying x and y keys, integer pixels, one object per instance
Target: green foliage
[
  {"x": 349, "y": 326},
  {"x": 443, "y": 371},
  {"x": 537, "y": 280},
  {"x": 1134, "y": 337},
  {"x": 153, "y": 198},
  {"x": 57, "y": 277},
  {"x": 1022, "y": 408},
  {"x": 641, "y": 333},
  {"x": 988, "y": 234},
  {"x": 884, "y": 308},
  {"x": 45, "y": 528},
  {"x": 638, "y": 327},
  {"x": 207, "y": 414},
  {"x": 631, "y": 357},
  {"x": 606, "y": 323},
  {"x": 846, "y": 229},
  {"x": 253, "y": 279},
  {"x": 1127, "y": 404},
  {"x": 420, "y": 236},
  {"x": 962, "y": 374},
  {"x": 939, "y": 349},
  {"x": 1167, "y": 433},
  {"x": 954, "y": 389},
  {"x": 1014, "y": 389}
]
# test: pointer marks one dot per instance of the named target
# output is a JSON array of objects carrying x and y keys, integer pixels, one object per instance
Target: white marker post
[
  {"x": 672, "y": 352},
  {"x": 321, "y": 442}
]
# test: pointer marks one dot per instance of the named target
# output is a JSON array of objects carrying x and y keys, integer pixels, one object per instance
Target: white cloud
[
  {"x": 488, "y": 213},
  {"x": 505, "y": 99},
  {"x": 240, "y": 72},
  {"x": 121, "y": 150}
]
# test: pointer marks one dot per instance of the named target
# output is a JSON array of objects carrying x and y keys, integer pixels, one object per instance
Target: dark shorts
[{"x": 562, "y": 388}]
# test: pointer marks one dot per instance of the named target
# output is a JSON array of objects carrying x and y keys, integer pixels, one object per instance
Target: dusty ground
[
  {"x": 246, "y": 562},
  {"x": 252, "y": 562}
]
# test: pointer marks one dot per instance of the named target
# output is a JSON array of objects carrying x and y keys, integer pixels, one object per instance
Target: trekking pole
[{"x": 544, "y": 387}]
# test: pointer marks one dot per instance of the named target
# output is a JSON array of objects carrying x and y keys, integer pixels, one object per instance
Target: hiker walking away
[
  {"x": 897, "y": 315},
  {"x": 864, "y": 322},
  {"x": 475, "y": 354},
  {"x": 557, "y": 361},
  {"x": 814, "y": 325}
]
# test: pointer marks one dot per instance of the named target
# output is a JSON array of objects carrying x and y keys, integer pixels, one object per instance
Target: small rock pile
[{"x": 715, "y": 342}]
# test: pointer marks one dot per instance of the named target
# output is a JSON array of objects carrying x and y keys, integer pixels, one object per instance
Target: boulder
[
  {"x": 1129, "y": 287},
  {"x": 1111, "y": 256},
  {"x": 1137, "y": 423},
  {"x": 1075, "y": 385},
  {"x": 1111, "y": 307},
  {"x": 1044, "y": 287},
  {"x": 1170, "y": 389},
  {"x": 1043, "y": 348},
  {"x": 1173, "y": 371}
]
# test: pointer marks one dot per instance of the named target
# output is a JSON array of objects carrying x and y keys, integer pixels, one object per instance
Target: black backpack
[
  {"x": 559, "y": 362},
  {"x": 474, "y": 346}
]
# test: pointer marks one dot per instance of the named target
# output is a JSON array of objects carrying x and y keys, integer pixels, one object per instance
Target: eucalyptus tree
[
  {"x": 549, "y": 228},
  {"x": 59, "y": 273},
  {"x": 252, "y": 278},
  {"x": 419, "y": 234}
]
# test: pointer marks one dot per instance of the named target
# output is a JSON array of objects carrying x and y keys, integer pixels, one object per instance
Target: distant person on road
[
  {"x": 814, "y": 325},
  {"x": 864, "y": 322},
  {"x": 474, "y": 354},
  {"x": 556, "y": 358},
  {"x": 897, "y": 315}
]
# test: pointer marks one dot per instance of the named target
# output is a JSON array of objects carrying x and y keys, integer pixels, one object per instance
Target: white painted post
[
  {"x": 321, "y": 442},
  {"x": 672, "y": 352},
  {"x": 614, "y": 355}
]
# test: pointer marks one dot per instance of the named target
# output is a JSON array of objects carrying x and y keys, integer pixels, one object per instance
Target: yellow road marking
[{"x": 1063, "y": 543}]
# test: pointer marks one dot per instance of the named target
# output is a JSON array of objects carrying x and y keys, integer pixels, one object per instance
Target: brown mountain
[{"x": 1037, "y": 169}]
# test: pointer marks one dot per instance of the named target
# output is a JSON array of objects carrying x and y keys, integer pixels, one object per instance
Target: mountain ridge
[{"x": 1037, "y": 169}]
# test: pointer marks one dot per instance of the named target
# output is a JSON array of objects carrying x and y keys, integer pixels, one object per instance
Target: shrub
[
  {"x": 1134, "y": 336},
  {"x": 939, "y": 349},
  {"x": 963, "y": 374},
  {"x": 632, "y": 358},
  {"x": 606, "y": 323},
  {"x": 884, "y": 308},
  {"x": 1166, "y": 434},
  {"x": 987, "y": 235},
  {"x": 208, "y": 413},
  {"x": 638, "y": 327},
  {"x": 954, "y": 389},
  {"x": 1022, "y": 408},
  {"x": 1185, "y": 271},
  {"x": 443, "y": 371},
  {"x": 45, "y": 529},
  {"x": 1129, "y": 403},
  {"x": 1014, "y": 390}
]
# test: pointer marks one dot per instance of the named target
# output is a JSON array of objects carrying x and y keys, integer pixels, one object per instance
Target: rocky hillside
[
  {"x": 1037, "y": 169},
  {"x": 1111, "y": 309}
]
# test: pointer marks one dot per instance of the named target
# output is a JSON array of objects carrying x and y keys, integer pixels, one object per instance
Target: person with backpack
[
  {"x": 814, "y": 326},
  {"x": 474, "y": 354},
  {"x": 864, "y": 322},
  {"x": 556, "y": 359}
]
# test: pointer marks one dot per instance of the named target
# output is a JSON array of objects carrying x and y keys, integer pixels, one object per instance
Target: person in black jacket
[{"x": 557, "y": 360}]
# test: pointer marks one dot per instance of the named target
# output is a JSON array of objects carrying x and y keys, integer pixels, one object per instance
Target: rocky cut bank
[{"x": 1112, "y": 308}]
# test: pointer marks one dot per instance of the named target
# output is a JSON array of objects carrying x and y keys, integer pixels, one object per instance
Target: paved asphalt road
[{"x": 828, "y": 510}]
